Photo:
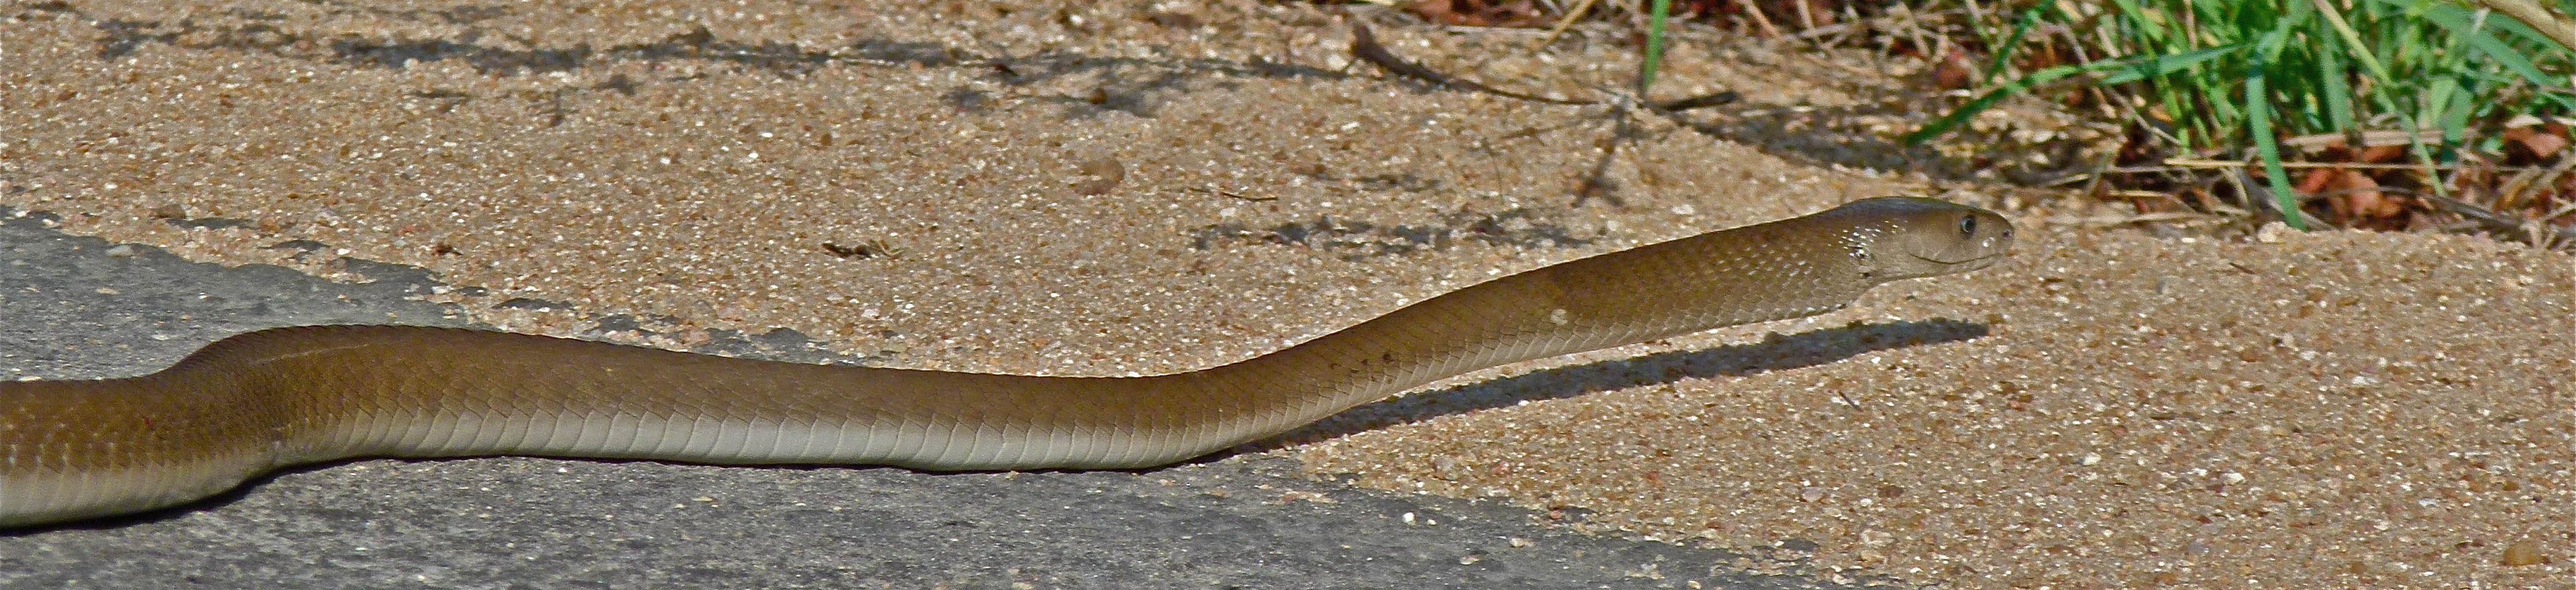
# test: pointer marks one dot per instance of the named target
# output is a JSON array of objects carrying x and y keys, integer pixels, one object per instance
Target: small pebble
[{"x": 2522, "y": 553}]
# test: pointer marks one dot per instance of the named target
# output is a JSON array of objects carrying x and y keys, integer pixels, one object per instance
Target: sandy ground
[{"x": 1134, "y": 187}]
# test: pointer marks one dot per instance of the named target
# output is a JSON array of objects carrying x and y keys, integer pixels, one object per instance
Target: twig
[
  {"x": 2556, "y": 27},
  {"x": 1704, "y": 100},
  {"x": 2368, "y": 139},
  {"x": 2509, "y": 191},
  {"x": 1227, "y": 193},
  {"x": 2490, "y": 219},
  {"x": 2561, "y": 212},
  {"x": 1823, "y": 31},
  {"x": 2544, "y": 221},
  {"x": 1769, "y": 32},
  {"x": 2096, "y": 183},
  {"x": 2245, "y": 189},
  {"x": 2129, "y": 219},
  {"x": 2550, "y": 178},
  {"x": 2180, "y": 163},
  {"x": 1562, "y": 23},
  {"x": 1366, "y": 47}
]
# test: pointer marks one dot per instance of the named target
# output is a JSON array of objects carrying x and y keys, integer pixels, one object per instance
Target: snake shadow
[{"x": 1774, "y": 353}]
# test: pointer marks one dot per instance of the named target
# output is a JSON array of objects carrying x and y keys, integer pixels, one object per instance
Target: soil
[{"x": 1118, "y": 188}]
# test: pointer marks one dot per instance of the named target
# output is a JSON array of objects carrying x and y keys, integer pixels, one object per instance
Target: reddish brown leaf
[
  {"x": 1479, "y": 13},
  {"x": 1441, "y": 11},
  {"x": 2534, "y": 143},
  {"x": 1955, "y": 71},
  {"x": 2315, "y": 181},
  {"x": 2381, "y": 153},
  {"x": 1788, "y": 13},
  {"x": 2357, "y": 201}
]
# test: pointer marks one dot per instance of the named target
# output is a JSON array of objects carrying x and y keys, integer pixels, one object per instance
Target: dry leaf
[{"x": 2535, "y": 143}]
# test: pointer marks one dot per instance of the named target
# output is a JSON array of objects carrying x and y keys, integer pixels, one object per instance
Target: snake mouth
[{"x": 1971, "y": 260}]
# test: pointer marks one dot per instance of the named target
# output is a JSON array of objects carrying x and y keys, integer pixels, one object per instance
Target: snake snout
[{"x": 1922, "y": 237}]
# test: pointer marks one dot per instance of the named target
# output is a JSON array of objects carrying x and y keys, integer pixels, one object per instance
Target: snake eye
[{"x": 1967, "y": 226}]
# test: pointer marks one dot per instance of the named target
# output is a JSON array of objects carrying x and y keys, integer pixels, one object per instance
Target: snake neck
[{"x": 1754, "y": 274}]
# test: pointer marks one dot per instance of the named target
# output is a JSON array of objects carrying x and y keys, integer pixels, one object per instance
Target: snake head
[{"x": 1908, "y": 237}]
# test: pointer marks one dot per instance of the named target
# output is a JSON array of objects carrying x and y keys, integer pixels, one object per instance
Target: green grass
[
  {"x": 1661, "y": 11},
  {"x": 2229, "y": 79},
  {"x": 2225, "y": 78}
]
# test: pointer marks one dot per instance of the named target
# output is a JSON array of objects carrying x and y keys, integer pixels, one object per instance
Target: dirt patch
[{"x": 1106, "y": 189}]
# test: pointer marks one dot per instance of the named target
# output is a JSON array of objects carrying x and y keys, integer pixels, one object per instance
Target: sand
[{"x": 1143, "y": 188}]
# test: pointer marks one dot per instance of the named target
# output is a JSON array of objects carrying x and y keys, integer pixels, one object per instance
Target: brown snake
[{"x": 258, "y": 401}]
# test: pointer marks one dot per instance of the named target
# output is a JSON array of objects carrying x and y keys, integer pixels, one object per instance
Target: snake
[{"x": 259, "y": 401}]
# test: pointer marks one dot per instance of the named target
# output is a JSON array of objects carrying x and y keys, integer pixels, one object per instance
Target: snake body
[{"x": 258, "y": 401}]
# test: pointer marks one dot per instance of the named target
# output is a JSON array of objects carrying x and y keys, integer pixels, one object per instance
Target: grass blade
[
  {"x": 1988, "y": 100},
  {"x": 1663, "y": 9},
  {"x": 2334, "y": 86},
  {"x": 2123, "y": 70},
  {"x": 2138, "y": 67},
  {"x": 2258, "y": 122},
  {"x": 2457, "y": 21},
  {"x": 2004, "y": 52},
  {"x": 2351, "y": 38}
]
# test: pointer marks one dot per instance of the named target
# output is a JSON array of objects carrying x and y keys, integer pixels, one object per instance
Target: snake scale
[{"x": 258, "y": 401}]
